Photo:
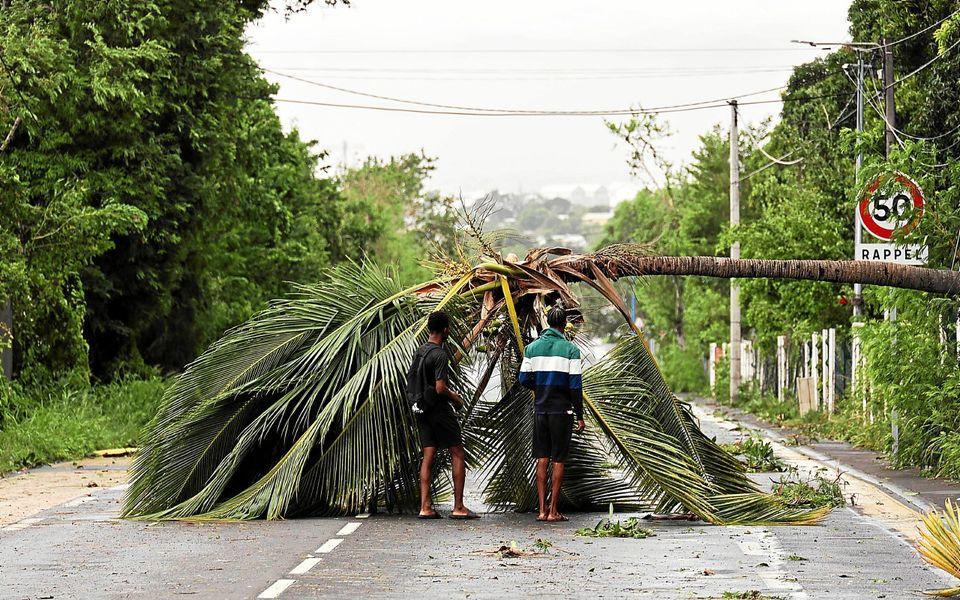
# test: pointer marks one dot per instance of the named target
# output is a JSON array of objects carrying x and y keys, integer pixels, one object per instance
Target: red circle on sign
[{"x": 872, "y": 225}]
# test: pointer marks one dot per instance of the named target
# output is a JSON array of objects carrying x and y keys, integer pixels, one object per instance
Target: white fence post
[
  {"x": 805, "y": 370},
  {"x": 781, "y": 366},
  {"x": 824, "y": 372},
  {"x": 815, "y": 368},
  {"x": 942, "y": 332},
  {"x": 832, "y": 345},
  {"x": 747, "y": 364},
  {"x": 712, "y": 368}
]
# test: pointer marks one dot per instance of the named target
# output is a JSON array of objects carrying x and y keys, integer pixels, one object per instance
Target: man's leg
[
  {"x": 426, "y": 506},
  {"x": 542, "y": 464},
  {"x": 554, "y": 514},
  {"x": 458, "y": 458},
  {"x": 561, "y": 431}
]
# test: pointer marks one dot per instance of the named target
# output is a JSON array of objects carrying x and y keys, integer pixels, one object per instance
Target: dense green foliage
[
  {"x": 51, "y": 422},
  {"x": 152, "y": 199},
  {"x": 151, "y": 156},
  {"x": 392, "y": 218},
  {"x": 805, "y": 210}
]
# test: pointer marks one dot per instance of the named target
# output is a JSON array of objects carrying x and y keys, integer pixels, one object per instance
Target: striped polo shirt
[{"x": 552, "y": 369}]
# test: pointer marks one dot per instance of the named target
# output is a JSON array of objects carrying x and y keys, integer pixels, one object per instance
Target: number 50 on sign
[{"x": 892, "y": 204}]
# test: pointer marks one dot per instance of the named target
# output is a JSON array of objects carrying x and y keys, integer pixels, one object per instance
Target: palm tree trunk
[{"x": 623, "y": 261}]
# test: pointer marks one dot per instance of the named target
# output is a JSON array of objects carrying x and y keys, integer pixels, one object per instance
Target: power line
[
  {"x": 678, "y": 108},
  {"x": 873, "y": 46},
  {"x": 520, "y": 75},
  {"x": 608, "y": 112},
  {"x": 924, "y": 65},
  {"x": 559, "y": 78},
  {"x": 520, "y": 50},
  {"x": 533, "y": 70},
  {"x": 922, "y": 31},
  {"x": 899, "y": 132}
]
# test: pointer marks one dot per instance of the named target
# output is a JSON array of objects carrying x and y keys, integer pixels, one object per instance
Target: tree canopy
[{"x": 154, "y": 198}]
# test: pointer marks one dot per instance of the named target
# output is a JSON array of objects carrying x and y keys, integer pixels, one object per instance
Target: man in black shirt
[{"x": 437, "y": 423}]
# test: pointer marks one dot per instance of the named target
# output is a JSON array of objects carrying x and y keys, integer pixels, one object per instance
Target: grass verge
[{"x": 55, "y": 422}]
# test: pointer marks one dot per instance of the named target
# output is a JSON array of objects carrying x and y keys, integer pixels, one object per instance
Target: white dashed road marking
[
  {"x": 329, "y": 545},
  {"x": 277, "y": 588},
  {"x": 310, "y": 562},
  {"x": 348, "y": 529},
  {"x": 363, "y": 515},
  {"x": 307, "y": 564}
]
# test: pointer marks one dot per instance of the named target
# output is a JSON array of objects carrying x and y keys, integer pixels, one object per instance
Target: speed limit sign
[{"x": 892, "y": 203}]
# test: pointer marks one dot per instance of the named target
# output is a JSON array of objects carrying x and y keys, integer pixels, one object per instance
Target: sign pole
[
  {"x": 857, "y": 288},
  {"x": 890, "y": 120},
  {"x": 735, "y": 254}
]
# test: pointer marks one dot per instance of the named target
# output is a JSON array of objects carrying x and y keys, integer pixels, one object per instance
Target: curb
[{"x": 906, "y": 497}]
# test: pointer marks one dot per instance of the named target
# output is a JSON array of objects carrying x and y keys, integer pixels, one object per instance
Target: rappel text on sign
[{"x": 906, "y": 254}]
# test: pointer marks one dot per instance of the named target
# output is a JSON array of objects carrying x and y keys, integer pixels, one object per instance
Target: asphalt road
[{"x": 81, "y": 550}]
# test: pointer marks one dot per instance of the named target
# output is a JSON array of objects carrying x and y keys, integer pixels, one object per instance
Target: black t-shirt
[{"x": 435, "y": 367}]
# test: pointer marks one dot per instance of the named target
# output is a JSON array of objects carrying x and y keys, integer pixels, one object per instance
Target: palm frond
[
  {"x": 663, "y": 452},
  {"x": 939, "y": 544},
  {"x": 301, "y": 408}
]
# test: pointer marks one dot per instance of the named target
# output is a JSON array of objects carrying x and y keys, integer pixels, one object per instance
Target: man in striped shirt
[{"x": 552, "y": 369}]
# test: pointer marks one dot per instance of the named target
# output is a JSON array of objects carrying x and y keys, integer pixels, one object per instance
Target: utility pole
[{"x": 734, "y": 253}]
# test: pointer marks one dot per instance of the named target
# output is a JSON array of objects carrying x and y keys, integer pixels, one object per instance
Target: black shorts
[
  {"x": 551, "y": 436},
  {"x": 439, "y": 428}
]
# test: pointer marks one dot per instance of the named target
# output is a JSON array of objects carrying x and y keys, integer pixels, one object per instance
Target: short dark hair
[
  {"x": 557, "y": 317},
  {"x": 438, "y": 321}
]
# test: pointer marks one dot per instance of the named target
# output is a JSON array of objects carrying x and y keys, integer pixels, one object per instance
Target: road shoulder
[
  {"x": 27, "y": 493},
  {"x": 897, "y": 507}
]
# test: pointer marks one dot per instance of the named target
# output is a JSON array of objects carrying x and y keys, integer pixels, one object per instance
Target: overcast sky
[{"x": 533, "y": 54}]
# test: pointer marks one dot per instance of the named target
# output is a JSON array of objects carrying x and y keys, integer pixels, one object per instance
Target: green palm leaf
[
  {"x": 667, "y": 457},
  {"x": 322, "y": 424}
]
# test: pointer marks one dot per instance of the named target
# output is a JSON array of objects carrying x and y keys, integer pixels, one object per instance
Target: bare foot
[
  {"x": 463, "y": 513},
  {"x": 556, "y": 518},
  {"x": 542, "y": 517}
]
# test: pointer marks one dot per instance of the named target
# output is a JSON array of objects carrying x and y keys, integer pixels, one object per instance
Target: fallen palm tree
[{"x": 301, "y": 410}]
